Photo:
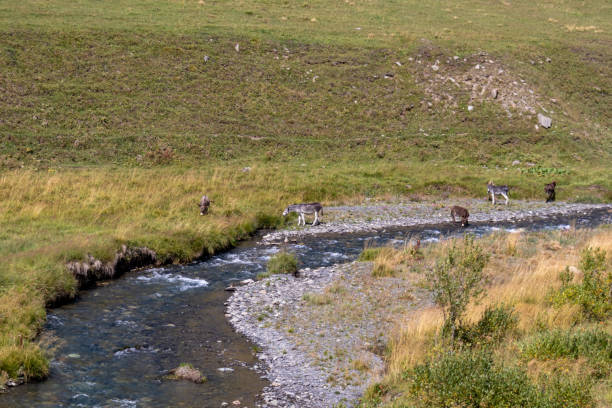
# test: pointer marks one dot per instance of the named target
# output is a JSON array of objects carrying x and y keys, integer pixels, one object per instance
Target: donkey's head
[{"x": 290, "y": 208}]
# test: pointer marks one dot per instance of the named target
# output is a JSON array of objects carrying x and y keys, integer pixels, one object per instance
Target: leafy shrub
[
  {"x": 456, "y": 280},
  {"x": 593, "y": 293},
  {"x": 595, "y": 344},
  {"x": 562, "y": 391},
  {"x": 495, "y": 323},
  {"x": 283, "y": 262},
  {"x": 473, "y": 379},
  {"x": 470, "y": 380}
]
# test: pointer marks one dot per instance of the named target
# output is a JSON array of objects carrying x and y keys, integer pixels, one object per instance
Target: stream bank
[
  {"x": 322, "y": 335},
  {"x": 378, "y": 216},
  {"x": 113, "y": 347}
]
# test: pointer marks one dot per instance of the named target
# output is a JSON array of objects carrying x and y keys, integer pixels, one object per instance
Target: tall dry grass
[
  {"x": 523, "y": 269},
  {"x": 50, "y": 218}
]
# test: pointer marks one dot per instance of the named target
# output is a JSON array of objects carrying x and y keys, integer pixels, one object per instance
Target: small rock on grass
[{"x": 544, "y": 121}]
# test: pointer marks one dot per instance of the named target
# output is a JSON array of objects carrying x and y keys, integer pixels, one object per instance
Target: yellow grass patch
[
  {"x": 574, "y": 27},
  {"x": 523, "y": 282}
]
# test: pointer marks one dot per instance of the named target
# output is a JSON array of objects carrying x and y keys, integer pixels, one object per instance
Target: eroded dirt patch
[{"x": 450, "y": 81}]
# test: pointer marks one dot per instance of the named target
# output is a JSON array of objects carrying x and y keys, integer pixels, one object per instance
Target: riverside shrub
[
  {"x": 283, "y": 262},
  {"x": 594, "y": 293},
  {"x": 474, "y": 379},
  {"x": 457, "y": 279},
  {"x": 496, "y": 322}
]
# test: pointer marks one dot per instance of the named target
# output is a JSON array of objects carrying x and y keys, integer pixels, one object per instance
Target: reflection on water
[{"x": 113, "y": 347}]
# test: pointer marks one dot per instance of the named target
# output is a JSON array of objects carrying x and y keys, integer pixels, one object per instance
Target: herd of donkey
[{"x": 456, "y": 211}]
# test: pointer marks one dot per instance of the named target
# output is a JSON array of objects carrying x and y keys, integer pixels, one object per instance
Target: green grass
[
  {"x": 112, "y": 124},
  {"x": 595, "y": 344},
  {"x": 369, "y": 254}
]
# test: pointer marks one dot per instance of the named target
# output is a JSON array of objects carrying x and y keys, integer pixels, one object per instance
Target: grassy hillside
[{"x": 113, "y": 122}]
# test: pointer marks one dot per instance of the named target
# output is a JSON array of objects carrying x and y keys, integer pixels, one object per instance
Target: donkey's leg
[
  {"x": 493, "y": 197},
  {"x": 316, "y": 219},
  {"x": 506, "y": 197}
]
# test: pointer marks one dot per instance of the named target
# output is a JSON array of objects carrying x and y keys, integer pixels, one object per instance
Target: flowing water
[{"x": 114, "y": 346}]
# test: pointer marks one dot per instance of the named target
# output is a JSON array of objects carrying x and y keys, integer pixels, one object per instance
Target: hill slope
[{"x": 115, "y": 116}]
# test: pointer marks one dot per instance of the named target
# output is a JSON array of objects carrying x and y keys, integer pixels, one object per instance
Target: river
[{"x": 113, "y": 347}]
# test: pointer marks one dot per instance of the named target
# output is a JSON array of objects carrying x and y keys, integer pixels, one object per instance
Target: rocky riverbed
[
  {"x": 375, "y": 216},
  {"x": 322, "y": 334}
]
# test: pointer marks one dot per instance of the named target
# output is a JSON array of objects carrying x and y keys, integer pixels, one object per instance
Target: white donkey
[{"x": 302, "y": 209}]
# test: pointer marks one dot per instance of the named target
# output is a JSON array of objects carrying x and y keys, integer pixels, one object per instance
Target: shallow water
[{"x": 113, "y": 346}]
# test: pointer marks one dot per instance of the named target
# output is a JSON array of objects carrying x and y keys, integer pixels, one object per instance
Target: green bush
[
  {"x": 474, "y": 379},
  {"x": 594, "y": 344},
  {"x": 283, "y": 262},
  {"x": 593, "y": 293},
  {"x": 470, "y": 380},
  {"x": 561, "y": 391},
  {"x": 495, "y": 324},
  {"x": 456, "y": 280}
]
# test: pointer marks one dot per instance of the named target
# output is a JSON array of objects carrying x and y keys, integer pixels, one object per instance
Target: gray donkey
[
  {"x": 501, "y": 190},
  {"x": 204, "y": 204},
  {"x": 302, "y": 209}
]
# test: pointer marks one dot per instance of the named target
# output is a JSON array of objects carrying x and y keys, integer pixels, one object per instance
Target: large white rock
[{"x": 544, "y": 121}]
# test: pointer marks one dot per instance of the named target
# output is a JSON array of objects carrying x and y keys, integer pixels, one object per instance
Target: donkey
[
  {"x": 301, "y": 209},
  {"x": 204, "y": 204},
  {"x": 460, "y": 212},
  {"x": 492, "y": 189},
  {"x": 549, "y": 189}
]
